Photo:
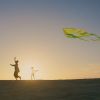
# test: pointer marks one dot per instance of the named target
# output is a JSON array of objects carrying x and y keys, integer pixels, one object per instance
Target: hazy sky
[{"x": 32, "y": 30}]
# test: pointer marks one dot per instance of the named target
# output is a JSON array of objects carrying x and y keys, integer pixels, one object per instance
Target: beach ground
[{"x": 84, "y": 89}]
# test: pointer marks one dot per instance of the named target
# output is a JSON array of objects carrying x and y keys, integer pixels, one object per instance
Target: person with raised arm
[{"x": 16, "y": 69}]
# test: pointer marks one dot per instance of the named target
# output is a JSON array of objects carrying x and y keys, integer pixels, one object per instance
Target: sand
[{"x": 87, "y": 89}]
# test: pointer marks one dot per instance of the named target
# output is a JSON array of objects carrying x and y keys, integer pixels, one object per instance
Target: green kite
[{"x": 80, "y": 34}]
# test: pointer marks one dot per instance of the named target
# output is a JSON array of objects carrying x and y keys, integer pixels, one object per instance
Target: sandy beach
[{"x": 87, "y": 89}]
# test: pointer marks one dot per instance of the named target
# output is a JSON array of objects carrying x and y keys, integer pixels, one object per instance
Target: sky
[{"x": 32, "y": 31}]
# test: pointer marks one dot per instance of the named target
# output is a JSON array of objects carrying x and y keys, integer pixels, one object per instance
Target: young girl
[{"x": 16, "y": 69}]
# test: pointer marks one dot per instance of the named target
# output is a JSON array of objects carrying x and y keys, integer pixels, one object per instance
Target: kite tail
[{"x": 97, "y": 37}]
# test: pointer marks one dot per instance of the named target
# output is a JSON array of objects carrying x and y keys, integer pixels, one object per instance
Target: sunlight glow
[{"x": 26, "y": 71}]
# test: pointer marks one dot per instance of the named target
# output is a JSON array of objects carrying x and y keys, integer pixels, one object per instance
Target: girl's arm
[
  {"x": 12, "y": 64},
  {"x": 14, "y": 59}
]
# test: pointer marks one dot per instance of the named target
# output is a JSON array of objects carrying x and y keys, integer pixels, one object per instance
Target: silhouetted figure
[
  {"x": 33, "y": 73},
  {"x": 16, "y": 69}
]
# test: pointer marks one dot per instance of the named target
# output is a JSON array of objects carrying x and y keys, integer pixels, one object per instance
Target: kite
[{"x": 80, "y": 34}]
